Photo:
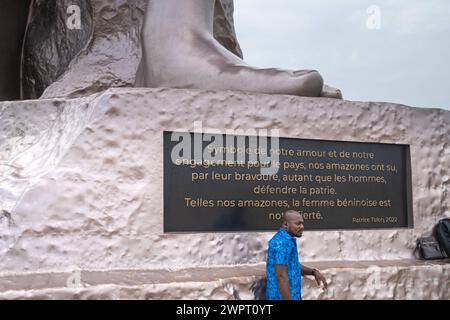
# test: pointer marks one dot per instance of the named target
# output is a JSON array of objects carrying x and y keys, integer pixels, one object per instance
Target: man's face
[{"x": 295, "y": 226}]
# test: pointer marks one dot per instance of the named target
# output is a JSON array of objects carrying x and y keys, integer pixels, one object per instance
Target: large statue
[{"x": 180, "y": 51}]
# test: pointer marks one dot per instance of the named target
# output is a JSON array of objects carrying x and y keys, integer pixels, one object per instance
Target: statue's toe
[{"x": 330, "y": 92}]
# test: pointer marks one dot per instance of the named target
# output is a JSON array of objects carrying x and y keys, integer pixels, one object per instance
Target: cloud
[
  {"x": 405, "y": 17},
  {"x": 405, "y": 61},
  {"x": 417, "y": 16}
]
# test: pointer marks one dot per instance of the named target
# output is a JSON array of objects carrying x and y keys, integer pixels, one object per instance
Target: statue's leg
[{"x": 179, "y": 51}]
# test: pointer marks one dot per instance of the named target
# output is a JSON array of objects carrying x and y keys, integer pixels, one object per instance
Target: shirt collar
[{"x": 285, "y": 234}]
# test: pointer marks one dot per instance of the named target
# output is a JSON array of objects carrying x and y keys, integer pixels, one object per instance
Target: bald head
[
  {"x": 292, "y": 222},
  {"x": 290, "y": 215}
]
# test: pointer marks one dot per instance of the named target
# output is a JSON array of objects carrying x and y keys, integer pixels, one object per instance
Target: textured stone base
[
  {"x": 347, "y": 280},
  {"x": 81, "y": 181}
]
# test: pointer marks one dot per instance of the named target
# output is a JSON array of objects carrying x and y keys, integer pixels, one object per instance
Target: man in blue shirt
[{"x": 283, "y": 269}]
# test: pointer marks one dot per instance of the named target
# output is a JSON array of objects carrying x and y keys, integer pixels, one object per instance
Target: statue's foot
[
  {"x": 202, "y": 63},
  {"x": 182, "y": 53},
  {"x": 330, "y": 92}
]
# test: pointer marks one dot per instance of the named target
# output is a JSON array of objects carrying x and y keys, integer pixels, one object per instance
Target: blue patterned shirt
[{"x": 283, "y": 250}]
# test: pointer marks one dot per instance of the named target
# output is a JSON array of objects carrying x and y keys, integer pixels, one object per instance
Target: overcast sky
[{"x": 386, "y": 50}]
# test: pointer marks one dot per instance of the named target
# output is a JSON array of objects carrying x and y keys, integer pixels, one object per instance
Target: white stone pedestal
[{"x": 83, "y": 182}]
